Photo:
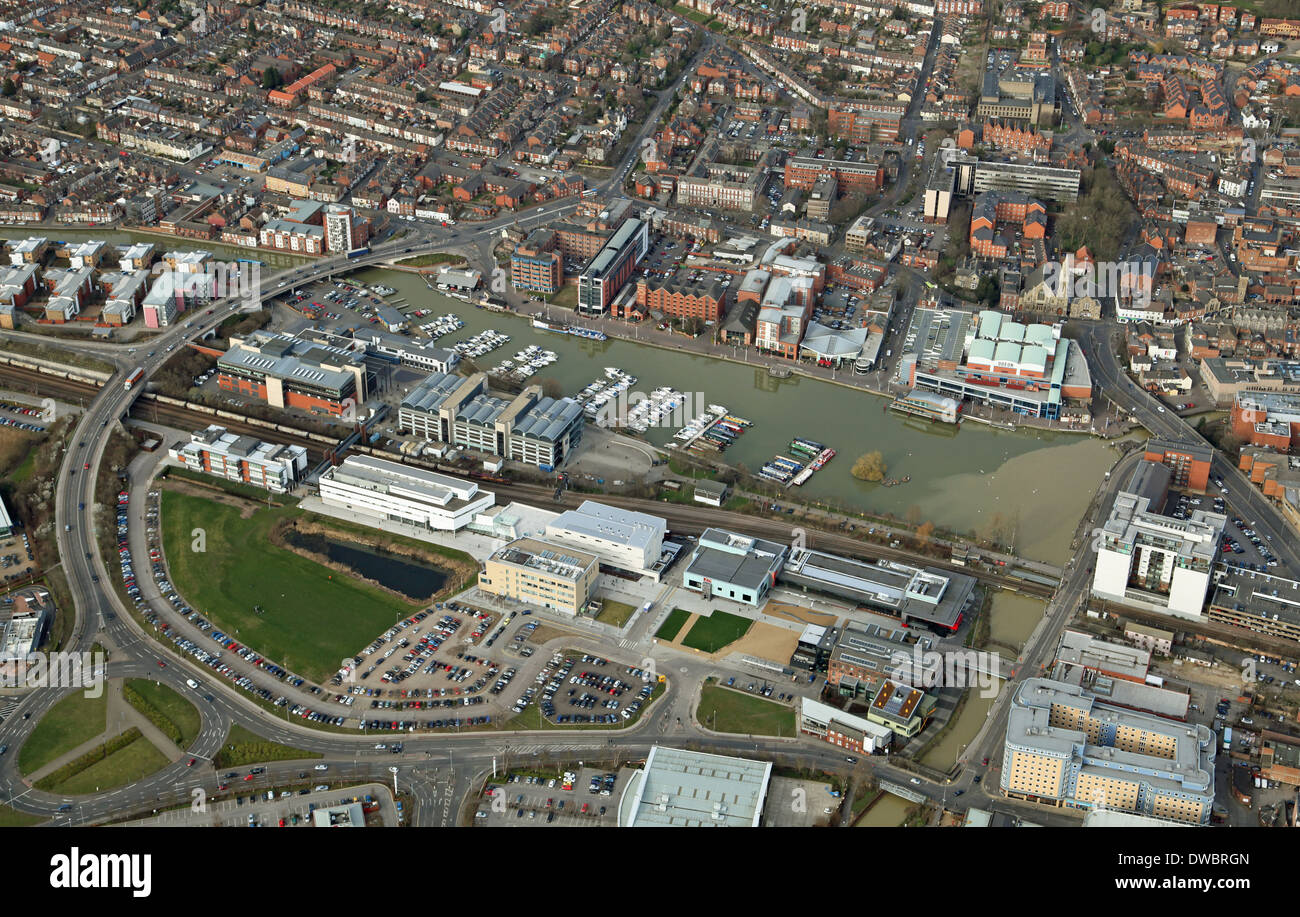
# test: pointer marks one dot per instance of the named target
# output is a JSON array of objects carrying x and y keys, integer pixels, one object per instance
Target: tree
[
  {"x": 271, "y": 78},
  {"x": 552, "y": 388},
  {"x": 870, "y": 466},
  {"x": 7, "y": 88},
  {"x": 925, "y": 532}
]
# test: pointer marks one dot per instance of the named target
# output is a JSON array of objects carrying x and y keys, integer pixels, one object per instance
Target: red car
[
  {"x": 191, "y": 764},
  {"x": 161, "y": 664},
  {"x": 222, "y": 786},
  {"x": 248, "y": 777},
  {"x": 86, "y": 467}
]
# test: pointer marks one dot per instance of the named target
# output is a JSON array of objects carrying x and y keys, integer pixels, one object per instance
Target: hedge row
[
  {"x": 153, "y": 714},
  {"x": 94, "y": 756}
]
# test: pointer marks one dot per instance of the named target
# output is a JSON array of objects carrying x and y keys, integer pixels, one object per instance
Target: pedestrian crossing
[
  {"x": 625, "y": 644},
  {"x": 7, "y": 706}
]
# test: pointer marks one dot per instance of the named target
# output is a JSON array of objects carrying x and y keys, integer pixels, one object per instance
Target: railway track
[{"x": 681, "y": 518}]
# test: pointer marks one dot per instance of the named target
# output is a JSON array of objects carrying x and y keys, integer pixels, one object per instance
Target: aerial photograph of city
[{"x": 650, "y": 413}]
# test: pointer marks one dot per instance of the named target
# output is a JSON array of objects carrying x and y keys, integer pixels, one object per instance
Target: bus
[
  {"x": 358, "y": 252},
  {"x": 135, "y": 377}
]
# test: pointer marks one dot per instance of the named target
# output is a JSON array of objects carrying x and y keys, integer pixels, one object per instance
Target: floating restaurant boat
[
  {"x": 542, "y": 323},
  {"x": 928, "y": 405}
]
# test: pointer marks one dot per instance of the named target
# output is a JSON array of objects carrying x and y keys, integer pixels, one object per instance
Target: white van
[{"x": 192, "y": 683}]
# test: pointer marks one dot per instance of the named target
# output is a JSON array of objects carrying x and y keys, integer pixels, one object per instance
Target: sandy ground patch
[
  {"x": 800, "y": 614},
  {"x": 767, "y": 641}
]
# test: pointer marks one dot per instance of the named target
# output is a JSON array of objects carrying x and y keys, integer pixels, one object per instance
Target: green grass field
[
  {"x": 311, "y": 616},
  {"x": 724, "y": 710},
  {"x": 242, "y": 746},
  {"x": 716, "y": 631},
  {"x": 615, "y": 613},
  {"x": 180, "y": 712},
  {"x": 126, "y": 765},
  {"x": 12, "y": 818},
  {"x": 672, "y": 624},
  {"x": 72, "y": 721}
]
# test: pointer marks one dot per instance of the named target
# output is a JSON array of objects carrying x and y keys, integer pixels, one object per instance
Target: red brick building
[{"x": 1189, "y": 462}]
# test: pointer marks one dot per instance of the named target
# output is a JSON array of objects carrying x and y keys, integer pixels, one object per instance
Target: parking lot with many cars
[
  {"x": 586, "y": 797},
  {"x": 587, "y": 690}
]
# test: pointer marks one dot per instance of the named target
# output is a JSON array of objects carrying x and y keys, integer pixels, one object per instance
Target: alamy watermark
[
  {"x": 241, "y": 280},
  {"x": 55, "y": 670},
  {"x": 1130, "y": 281},
  {"x": 642, "y": 411},
  {"x": 927, "y": 668}
]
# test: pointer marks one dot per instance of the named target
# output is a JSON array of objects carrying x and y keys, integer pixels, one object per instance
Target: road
[
  {"x": 1109, "y": 376},
  {"x": 98, "y": 609}
]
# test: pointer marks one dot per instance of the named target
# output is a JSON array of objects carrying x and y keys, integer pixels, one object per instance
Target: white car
[{"x": 322, "y": 767}]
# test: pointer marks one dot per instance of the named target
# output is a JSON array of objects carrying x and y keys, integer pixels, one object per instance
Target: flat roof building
[
  {"x": 529, "y": 427},
  {"x": 613, "y": 266},
  {"x": 690, "y": 789},
  {"x": 1150, "y": 560},
  {"x": 843, "y": 730},
  {"x": 1027, "y": 368},
  {"x": 246, "y": 459},
  {"x": 1066, "y": 748},
  {"x": 289, "y": 372},
  {"x": 351, "y": 815},
  {"x": 867, "y": 655},
  {"x": 733, "y": 566},
  {"x": 388, "y": 490},
  {"x": 1188, "y": 462},
  {"x": 544, "y": 573},
  {"x": 913, "y": 594},
  {"x": 901, "y": 708},
  {"x": 621, "y": 538},
  {"x": 24, "y": 624}
]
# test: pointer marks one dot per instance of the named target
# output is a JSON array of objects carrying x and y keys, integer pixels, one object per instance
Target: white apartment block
[{"x": 1151, "y": 560}]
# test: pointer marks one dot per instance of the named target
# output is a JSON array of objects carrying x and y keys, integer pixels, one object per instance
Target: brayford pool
[{"x": 1027, "y": 488}]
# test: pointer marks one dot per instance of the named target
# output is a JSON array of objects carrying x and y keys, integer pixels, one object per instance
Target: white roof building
[
  {"x": 391, "y": 491},
  {"x": 689, "y": 789},
  {"x": 621, "y": 538}
]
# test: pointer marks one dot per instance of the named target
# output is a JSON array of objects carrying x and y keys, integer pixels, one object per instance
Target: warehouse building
[
  {"x": 399, "y": 493},
  {"x": 677, "y": 788}
]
